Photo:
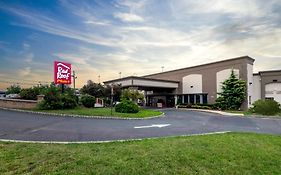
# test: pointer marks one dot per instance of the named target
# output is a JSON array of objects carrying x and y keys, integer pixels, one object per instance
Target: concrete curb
[
  {"x": 213, "y": 111},
  {"x": 111, "y": 141},
  {"x": 81, "y": 116}
]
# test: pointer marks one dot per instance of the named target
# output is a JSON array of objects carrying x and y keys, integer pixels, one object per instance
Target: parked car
[{"x": 13, "y": 96}]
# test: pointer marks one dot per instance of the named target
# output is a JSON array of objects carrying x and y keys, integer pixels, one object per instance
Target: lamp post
[
  {"x": 111, "y": 101},
  {"x": 74, "y": 78}
]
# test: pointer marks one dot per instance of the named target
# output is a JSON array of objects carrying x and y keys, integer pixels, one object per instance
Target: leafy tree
[
  {"x": 130, "y": 94},
  {"x": 14, "y": 89},
  {"x": 54, "y": 99},
  {"x": 94, "y": 89},
  {"x": 117, "y": 91},
  {"x": 233, "y": 93}
]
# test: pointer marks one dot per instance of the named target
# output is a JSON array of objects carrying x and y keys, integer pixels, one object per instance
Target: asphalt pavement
[{"x": 36, "y": 127}]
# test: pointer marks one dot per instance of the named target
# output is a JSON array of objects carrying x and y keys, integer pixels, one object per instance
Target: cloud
[
  {"x": 37, "y": 21},
  {"x": 29, "y": 57},
  {"x": 138, "y": 37},
  {"x": 24, "y": 71},
  {"x": 128, "y": 17}
]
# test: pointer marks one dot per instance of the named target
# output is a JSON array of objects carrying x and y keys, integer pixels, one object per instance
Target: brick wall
[{"x": 18, "y": 103}]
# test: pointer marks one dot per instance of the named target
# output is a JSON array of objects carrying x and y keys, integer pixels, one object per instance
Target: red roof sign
[{"x": 62, "y": 72}]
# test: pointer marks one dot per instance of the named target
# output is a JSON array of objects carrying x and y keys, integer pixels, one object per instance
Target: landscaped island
[
  {"x": 143, "y": 113},
  {"x": 232, "y": 153}
]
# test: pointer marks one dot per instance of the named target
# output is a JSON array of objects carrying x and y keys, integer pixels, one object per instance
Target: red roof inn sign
[{"x": 62, "y": 72}]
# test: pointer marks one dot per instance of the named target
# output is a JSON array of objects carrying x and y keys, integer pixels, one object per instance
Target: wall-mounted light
[{"x": 250, "y": 83}]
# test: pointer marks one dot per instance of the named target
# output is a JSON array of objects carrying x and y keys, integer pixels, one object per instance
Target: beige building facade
[{"x": 201, "y": 84}]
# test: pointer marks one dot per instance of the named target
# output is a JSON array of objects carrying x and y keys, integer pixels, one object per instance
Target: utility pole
[
  {"x": 74, "y": 78},
  {"x": 162, "y": 68},
  {"x": 120, "y": 74},
  {"x": 99, "y": 79},
  {"x": 111, "y": 100}
]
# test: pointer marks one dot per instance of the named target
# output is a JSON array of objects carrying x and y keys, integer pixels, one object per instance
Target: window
[
  {"x": 191, "y": 97},
  {"x": 185, "y": 99},
  {"x": 205, "y": 98},
  {"x": 269, "y": 98},
  {"x": 197, "y": 99}
]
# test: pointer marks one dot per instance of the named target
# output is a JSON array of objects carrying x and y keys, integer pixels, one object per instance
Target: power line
[
  {"x": 16, "y": 82},
  {"x": 22, "y": 80}
]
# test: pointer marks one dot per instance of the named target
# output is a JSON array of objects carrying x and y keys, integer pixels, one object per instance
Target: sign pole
[
  {"x": 111, "y": 101},
  {"x": 62, "y": 88}
]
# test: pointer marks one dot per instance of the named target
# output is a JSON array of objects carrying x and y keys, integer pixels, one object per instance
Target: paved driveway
[{"x": 35, "y": 127}]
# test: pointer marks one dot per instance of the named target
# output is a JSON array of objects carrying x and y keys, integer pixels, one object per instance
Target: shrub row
[{"x": 197, "y": 106}]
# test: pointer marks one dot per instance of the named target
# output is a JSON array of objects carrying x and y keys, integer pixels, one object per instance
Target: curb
[
  {"x": 215, "y": 112},
  {"x": 81, "y": 116},
  {"x": 111, "y": 141}
]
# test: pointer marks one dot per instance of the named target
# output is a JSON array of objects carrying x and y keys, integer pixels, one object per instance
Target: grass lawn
[
  {"x": 105, "y": 112},
  {"x": 232, "y": 153}
]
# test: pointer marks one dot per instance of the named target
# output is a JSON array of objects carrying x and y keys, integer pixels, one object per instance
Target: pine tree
[{"x": 233, "y": 93}]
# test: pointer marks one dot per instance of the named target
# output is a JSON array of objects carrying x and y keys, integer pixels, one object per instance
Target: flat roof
[
  {"x": 267, "y": 71},
  {"x": 231, "y": 59},
  {"x": 140, "y": 78}
]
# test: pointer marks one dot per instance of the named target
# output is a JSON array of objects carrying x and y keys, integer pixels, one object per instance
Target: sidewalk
[{"x": 213, "y": 111}]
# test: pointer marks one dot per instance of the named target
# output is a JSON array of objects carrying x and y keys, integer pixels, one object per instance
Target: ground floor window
[
  {"x": 205, "y": 98},
  {"x": 191, "y": 99}
]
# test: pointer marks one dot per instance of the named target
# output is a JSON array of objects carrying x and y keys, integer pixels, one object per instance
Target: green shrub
[
  {"x": 30, "y": 93},
  {"x": 265, "y": 107},
  {"x": 53, "y": 99},
  {"x": 68, "y": 102},
  {"x": 14, "y": 89},
  {"x": 127, "y": 106},
  {"x": 88, "y": 101}
]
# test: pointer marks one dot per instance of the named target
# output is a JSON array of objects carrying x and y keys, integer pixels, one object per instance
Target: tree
[
  {"x": 233, "y": 93},
  {"x": 117, "y": 91},
  {"x": 133, "y": 95},
  {"x": 94, "y": 89},
  {"x": 14, "y": 89}
]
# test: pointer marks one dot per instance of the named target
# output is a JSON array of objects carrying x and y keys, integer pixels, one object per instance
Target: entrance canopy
[{"x": 144, "y": 83}]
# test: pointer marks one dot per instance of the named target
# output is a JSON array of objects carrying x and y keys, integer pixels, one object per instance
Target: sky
[{"x": 105, "y": 37}]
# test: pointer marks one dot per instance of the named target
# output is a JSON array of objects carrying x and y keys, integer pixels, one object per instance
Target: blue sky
[{"x": 133, "y": 37}]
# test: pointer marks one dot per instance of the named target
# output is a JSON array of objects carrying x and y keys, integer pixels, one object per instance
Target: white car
[{"x": 13, "y": 96}]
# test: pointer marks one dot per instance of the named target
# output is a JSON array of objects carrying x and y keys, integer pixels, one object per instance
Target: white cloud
[
  {"x": 187, "y": 34},
  {"x": 128, "y": 17},
  {"x": 24, "y": 72},
  {"x": 29, "y": 57}
]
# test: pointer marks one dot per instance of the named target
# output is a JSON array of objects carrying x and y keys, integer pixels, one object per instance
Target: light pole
[
  {"x": 99, "y": 79},
  {"x": 111, "y": 101},
  {"x": 120, "y": 74},
  {"x": 74, "y": 78},
  {"x": 162, "y": 68}
]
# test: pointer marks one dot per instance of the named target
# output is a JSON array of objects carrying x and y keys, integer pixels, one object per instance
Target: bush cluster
[
  {"x": 54, "y": 99},
  {"x": 265, "y": 107},
  {"x": 127, "y": 106},
  {"x": 30, "y": 93},
  {"x": 88, "y": 101}
]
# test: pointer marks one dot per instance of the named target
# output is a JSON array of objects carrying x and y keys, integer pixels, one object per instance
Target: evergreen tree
[{"x": 233, "y": 93}]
